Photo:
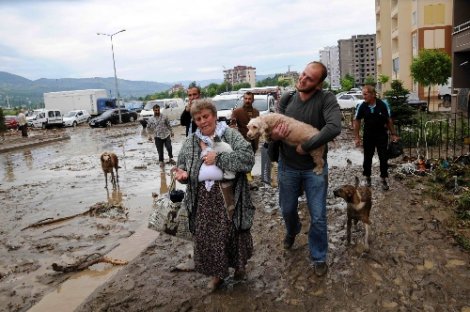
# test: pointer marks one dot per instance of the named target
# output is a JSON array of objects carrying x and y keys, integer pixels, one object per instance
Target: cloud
[{"x": 171, "y": 41}]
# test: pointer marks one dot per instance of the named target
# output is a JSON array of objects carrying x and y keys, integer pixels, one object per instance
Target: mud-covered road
[{"x": 413, "y": 264}]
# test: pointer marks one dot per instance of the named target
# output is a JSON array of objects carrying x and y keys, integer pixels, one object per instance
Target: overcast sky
[{"x": 172, "y": 40}]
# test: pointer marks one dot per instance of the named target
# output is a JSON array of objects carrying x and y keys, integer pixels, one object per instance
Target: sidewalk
[{"x": 14, "y": 142}]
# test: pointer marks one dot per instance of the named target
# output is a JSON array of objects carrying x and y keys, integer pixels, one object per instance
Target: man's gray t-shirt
[{"x": 322, "y": 112}]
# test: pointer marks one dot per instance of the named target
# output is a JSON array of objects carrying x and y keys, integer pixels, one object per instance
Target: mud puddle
[{"x": 64, "y": 179}]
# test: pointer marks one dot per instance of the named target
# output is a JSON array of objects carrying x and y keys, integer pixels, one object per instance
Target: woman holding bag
[{"x": 213, "y": 162}]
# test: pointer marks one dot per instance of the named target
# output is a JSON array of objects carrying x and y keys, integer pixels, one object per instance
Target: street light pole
[{"x": 114, "y": 66}]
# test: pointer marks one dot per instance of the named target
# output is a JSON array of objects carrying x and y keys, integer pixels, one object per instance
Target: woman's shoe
[{"x": 215, "y": 283}]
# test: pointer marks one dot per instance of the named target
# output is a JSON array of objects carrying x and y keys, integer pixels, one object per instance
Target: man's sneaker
[
  {"x": 368, "y": 182},
  {"x": 320, "y": 268},
  {"x": 172, "y": 162},
  {"x": 384, "y": 185},
  {"x": 289, "y": 241},
  {"x": 162, "y": 164}
]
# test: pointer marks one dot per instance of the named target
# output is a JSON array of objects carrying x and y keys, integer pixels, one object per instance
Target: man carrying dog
[
  {"x": 377, "y": 120},
  {"x": 319, "y": 108},
  {"x": 163, "y": 132}
]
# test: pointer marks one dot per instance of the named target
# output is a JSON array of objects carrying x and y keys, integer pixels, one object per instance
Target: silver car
[{"x": 76, "y": 117}]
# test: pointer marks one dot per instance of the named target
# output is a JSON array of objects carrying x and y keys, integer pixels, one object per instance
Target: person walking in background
[
  {"x": 160, "y": 125},
  {"x": 22, "y": 124},
  {"x": 220, "y": 211},
  {"x": 194, "y": 93},
  {"x": 242, "y": 115},
  {"x": 377, "y": 120},
  {"x": 319, "y": 108},
  {"x": 240, "y": 118}
]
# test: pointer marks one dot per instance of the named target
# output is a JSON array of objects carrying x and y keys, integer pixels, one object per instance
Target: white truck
[{"x": 94, "y": 101}]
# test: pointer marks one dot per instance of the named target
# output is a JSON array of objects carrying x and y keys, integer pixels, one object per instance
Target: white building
[{"x": 329, "y": 56}]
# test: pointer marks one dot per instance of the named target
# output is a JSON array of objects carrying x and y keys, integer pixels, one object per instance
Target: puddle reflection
[
  {"x": 28, "y": 159},
  {"x": 116, "y": 196},
  {"x": 9, "y": 170},
  {"x": 163, "y": 184}
]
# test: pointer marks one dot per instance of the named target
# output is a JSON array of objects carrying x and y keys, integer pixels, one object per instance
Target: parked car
[
  {"x": 349, "y": 100},
  {"x": 171, "y": 108},
  {"x": 134, "y": 106},
  {"x": 414, "y": 101},
  {"x": 111, "y": 117},
  {"x": 11, "y": 122},
  {"x": 44, "y": 118},
  {"x": 264, "y": 103},
  {"x": 76, "y": 117},
  {"x": 225, "y": 104}
]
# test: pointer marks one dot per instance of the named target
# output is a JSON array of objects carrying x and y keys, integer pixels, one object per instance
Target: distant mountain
[
  {"x": 19, "y": 91},
  {"x": 16, "y": 90}
]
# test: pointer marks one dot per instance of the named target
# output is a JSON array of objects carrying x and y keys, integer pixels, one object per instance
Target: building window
[
  {"x": 396, "y": 65},
  {"x": 413, "y": 18},
  {"x": 434, "y": 14},
  {"x": 414, "y": 44}
]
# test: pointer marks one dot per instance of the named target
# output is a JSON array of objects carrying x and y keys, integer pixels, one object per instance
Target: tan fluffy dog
[
  {"x": 109, "y": 163},
  {"x": 359, "y": 200},
  {"x": 300, "y": 132}
]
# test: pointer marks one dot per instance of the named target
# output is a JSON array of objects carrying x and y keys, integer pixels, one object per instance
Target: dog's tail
[{"x": 356, "y": 179}]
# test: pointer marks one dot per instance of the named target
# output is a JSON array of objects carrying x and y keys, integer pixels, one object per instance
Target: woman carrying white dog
[{"x": 216, "y": 180}]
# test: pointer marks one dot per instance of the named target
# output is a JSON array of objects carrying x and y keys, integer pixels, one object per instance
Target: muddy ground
[{"x": 414, "y": 263}]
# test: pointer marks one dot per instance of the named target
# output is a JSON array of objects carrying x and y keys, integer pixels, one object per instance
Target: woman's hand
[
  {"x": 180, "y": 174},
  {"x": 209, "y": 158}
]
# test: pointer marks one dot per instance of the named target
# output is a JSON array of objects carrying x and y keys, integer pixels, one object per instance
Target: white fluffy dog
[{"x": 300, "y": 132}]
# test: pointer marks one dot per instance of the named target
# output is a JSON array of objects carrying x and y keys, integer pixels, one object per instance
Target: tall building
[
  {"x": 329, "y": 56},
  {"x": 241, "y": 74},
  {"x": 346, "y": 62},
  {"x": 357, "y": 57},
  {"x": 403, "y": 28},
  {"x": 461, "y": 54},
  {"x": 364, "y": 58}
]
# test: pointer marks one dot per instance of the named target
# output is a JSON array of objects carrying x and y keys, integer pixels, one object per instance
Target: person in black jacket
[
  {"x": 377, "y": 120},
  {"x": 194, "y": 93}
]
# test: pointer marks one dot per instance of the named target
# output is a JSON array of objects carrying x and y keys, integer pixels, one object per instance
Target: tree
[
  {"x": 382, "y": 80},
  {"x": 431, "y": 67},
  {"x": 238, "y": 86},
  {"x": 347, "y": 82},
  {"x": 3, "y": 127},
  {"x": 402, "y": 113},
  {"x": 370, "y": 81}
]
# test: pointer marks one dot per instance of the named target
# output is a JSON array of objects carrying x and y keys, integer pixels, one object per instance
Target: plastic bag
[{"x": 394, "y": 149}]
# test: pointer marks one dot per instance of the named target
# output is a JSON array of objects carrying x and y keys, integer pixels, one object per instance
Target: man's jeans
[{"x": 315, "y": 186}]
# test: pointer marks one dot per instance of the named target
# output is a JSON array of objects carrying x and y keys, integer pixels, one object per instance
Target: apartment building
[
  {"x": 346, "y": 62},
  {"x": 404, "y": 27},
  {"x": 329, "y": 56},
  {"x": 357, "y": 57},
  {"x": 461, "y": 54},
  {"x": 241, "y": 74}
]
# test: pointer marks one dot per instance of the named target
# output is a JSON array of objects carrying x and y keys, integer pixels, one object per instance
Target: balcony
[{"x": 461, "y": 37}]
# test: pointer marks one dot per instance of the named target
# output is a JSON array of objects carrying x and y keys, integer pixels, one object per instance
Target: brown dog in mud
[
  {"x": 359, "y": 200},
  {"x": 109, "y": 163}
]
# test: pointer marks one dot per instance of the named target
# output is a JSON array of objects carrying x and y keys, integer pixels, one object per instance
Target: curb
[{"x": 33, "y": 143}]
